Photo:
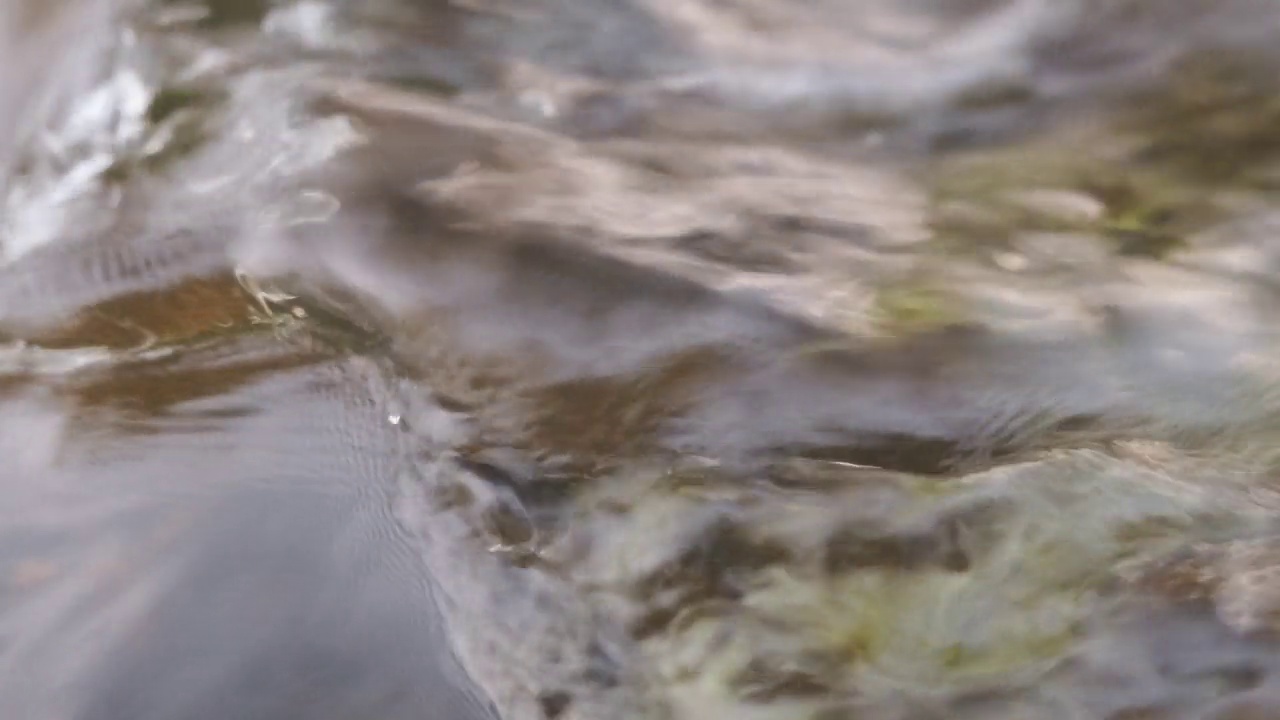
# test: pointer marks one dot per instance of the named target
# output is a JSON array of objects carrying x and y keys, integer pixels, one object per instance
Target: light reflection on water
[{"x": 165, "y": 558}]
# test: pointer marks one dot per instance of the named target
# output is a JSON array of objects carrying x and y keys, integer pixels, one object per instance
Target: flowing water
[{"x": 654, "y": 359}]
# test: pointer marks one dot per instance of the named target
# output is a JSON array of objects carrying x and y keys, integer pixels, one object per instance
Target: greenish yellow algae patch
[
  {"x": 1159, "y": 164},
  {"x": 980, "y": 582},
  {"x": 908, "y": 309}
]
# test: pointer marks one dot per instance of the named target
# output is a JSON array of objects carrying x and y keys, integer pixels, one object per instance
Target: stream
[{"x": 652, "y": 359}]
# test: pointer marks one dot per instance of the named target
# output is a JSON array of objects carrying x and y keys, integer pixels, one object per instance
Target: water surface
[{"x": 638, "y": 359}]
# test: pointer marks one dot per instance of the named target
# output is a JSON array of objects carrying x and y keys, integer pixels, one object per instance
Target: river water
[{"x": 655, "y": 359}]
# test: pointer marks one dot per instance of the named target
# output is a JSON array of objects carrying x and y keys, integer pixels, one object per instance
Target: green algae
[
  {"x": 907, "y": 309},
  {"x": 1162, "y": 163}
]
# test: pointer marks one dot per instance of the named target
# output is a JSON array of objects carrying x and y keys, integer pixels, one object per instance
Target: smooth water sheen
[{"x": 652, "y": 359}]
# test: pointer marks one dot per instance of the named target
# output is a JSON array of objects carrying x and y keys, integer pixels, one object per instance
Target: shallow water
[{"x": 640, "y": 359}]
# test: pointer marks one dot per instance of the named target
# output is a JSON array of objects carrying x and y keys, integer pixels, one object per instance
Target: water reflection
[{"x": 205, "y": 537}]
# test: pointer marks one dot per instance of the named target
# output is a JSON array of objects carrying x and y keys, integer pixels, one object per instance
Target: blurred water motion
[{"x": 654, "y": 359}]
